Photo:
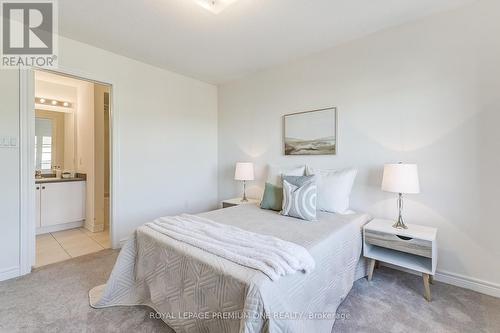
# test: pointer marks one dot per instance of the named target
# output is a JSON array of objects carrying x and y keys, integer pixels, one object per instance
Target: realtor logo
[{"x": 28, "y": 33}]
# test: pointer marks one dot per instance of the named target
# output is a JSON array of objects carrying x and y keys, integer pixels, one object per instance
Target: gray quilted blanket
[{"x": 196, "y": 291}]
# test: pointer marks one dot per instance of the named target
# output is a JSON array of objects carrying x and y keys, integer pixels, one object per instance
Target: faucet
[{"x": 38, "y": 174}]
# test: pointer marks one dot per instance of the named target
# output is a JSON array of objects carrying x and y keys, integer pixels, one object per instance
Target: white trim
[
  {"x": 27, "y": 171},
  {"x": 27, "y": 182},
  {"x": 9, "y": 273},
  {"x": 480, "y": 286}
]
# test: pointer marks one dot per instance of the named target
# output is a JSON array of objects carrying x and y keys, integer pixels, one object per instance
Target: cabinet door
[
  {"x": 62, "y": 203},
  {"x": 37, "y": 205}
]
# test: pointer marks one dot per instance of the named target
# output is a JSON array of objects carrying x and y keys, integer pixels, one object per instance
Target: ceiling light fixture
[
  {"x": 53, "y": 102},
  {"x": 215, "y": 6}
]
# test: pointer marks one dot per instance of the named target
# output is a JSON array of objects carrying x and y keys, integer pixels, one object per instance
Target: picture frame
[{"x": 312, "y": 132}]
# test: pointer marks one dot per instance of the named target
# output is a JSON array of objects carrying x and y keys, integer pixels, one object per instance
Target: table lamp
[
  {"x": 402, "y": 179},
  {"x": 244, "y": 172}
]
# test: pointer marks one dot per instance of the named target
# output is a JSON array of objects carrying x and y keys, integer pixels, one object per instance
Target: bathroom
[{"x": 72, "y": 167}]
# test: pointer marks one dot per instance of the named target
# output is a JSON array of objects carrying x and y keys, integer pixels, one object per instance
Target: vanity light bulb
[
  {"x": 54, "y": 102},
  {"x": 66, "y": 104},
  {"x": 42, "y": 100}
]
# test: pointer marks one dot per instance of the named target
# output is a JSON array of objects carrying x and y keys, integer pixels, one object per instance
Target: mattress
[{"x": 195, "y": 291}]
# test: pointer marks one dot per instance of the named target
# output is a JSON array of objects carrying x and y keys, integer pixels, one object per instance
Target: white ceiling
[{"x": 247, "y": 36}]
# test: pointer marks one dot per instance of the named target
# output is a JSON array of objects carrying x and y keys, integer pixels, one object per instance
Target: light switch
[{"x": 8, "y": 141}]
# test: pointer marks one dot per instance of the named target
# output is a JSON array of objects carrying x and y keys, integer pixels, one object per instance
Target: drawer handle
[{"x": 404, "y": 238}]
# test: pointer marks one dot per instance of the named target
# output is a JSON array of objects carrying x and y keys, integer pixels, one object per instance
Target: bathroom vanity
[{"x": 60, "y": 203}]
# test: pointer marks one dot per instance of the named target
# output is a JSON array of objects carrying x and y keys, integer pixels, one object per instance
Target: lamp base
[
  {"x": 400, "y": 224},
  {"x": 244, "y": 199}
]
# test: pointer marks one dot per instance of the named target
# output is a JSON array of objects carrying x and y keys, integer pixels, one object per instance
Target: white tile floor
[{"x": 58, "y": 246}]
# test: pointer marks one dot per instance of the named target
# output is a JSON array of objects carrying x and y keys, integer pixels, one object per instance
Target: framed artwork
[{"x": 311, "y": 132}]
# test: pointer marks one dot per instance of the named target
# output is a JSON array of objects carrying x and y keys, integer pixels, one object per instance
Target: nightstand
[
  {"x": 237, "y": 201},
  {"x": 414, "y": 248}
]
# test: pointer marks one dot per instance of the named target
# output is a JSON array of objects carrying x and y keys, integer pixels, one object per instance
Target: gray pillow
[
  {"x": 299, "y": 180},
  {"x": 299, "y": 201}
]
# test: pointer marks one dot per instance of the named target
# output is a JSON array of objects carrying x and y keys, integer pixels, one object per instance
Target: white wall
[
  {"x": 85, "y": 145},
  {"x": 51, "y": 90},
  {"x": 426, "y": 92},
  {"x": 69, "y": 142},
  {"x": 9, "y": 175},
  {"x": 166, "y": 137}
]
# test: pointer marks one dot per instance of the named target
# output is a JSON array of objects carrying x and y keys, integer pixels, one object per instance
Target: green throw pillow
[{"x": 273, "y": 197}]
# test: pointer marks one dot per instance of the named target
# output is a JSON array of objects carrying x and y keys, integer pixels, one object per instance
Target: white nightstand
[
  {"x": 237, "y": 201},
  {"x": 414, "y": 248}
]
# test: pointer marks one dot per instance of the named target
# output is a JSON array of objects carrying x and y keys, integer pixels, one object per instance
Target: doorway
[{"x": 71, "y": 155}]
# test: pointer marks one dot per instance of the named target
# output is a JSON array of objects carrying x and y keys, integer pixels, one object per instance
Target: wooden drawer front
[{"x": 414, "y": 246}]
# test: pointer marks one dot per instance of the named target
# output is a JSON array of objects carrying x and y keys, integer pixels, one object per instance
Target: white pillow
[
  {"x": 275, "y": 174},
  {"x": 334, "y": 188}
]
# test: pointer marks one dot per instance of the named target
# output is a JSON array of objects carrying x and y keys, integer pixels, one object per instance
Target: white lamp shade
[
  {"x": 244, "y": 171},
  {"x": 401, "y": 178}
]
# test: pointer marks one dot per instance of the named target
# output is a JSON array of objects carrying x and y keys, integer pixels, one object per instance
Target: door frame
[{"x": 27, "y": 234}]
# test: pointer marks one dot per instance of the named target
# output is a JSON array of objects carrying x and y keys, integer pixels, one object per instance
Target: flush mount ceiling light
[{"x": 215, "y": 6}]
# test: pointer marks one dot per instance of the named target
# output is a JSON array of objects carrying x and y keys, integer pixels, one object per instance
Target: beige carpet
[{"x": 54, "y": 298}]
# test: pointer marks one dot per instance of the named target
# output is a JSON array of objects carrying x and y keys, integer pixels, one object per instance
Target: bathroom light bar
[
  {"x": 215, "y": 6},
  {"x": 53, "y": 102}
]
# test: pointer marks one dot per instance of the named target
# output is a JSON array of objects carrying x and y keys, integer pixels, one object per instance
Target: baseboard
[
  {"x": 59, "y": 227},
  {"x": 483, "y": 287},
  {"x": 9, "y": 273}
]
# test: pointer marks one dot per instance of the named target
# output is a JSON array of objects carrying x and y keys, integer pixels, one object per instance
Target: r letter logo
[{"x": 28, "y": 33}]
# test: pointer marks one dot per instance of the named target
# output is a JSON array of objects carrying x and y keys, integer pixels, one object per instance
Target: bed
[{"x": 195, "y": 291}]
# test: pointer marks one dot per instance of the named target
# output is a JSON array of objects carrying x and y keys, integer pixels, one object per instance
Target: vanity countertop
[{"x": 58, "y": 180}]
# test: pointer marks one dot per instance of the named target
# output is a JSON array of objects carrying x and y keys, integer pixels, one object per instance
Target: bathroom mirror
[{"x": 54, "y": 140}]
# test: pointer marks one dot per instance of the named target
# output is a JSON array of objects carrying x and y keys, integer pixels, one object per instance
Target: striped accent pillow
[{"x": 299, "y": 201}]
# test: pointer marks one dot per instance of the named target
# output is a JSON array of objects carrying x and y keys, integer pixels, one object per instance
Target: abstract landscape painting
[{"x": 311, "y": 132}]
